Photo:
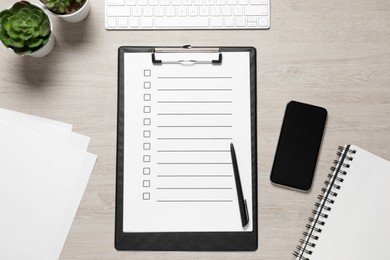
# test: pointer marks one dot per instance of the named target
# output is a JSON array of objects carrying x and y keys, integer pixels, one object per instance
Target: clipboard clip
[{"x": 187, "y": 49}]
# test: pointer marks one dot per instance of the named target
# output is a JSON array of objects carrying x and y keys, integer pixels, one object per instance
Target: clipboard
[{"x": 179, "y": 238}]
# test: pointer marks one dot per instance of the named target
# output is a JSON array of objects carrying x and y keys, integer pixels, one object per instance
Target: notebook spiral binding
[{"x": 324, "y": 204}]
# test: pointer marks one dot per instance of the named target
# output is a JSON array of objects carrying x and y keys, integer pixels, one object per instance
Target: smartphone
[{"x": 299, "y": 144}]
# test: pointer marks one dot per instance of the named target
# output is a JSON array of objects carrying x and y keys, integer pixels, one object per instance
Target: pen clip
[{"x": 246, "y": 214}]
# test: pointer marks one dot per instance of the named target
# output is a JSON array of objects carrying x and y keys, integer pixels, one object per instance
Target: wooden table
[{"x": 331, "y": 53}]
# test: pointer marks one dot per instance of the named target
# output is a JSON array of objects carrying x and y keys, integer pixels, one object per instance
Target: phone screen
[{"x": 299, "y": 145}]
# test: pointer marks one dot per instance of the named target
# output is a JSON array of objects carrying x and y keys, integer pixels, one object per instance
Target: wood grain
[{"x": 331, "y": 53}]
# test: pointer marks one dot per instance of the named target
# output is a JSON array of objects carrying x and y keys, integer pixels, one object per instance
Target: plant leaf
[
  {"x": 5, "y": 14},
  {"x": 20, "y": 5},
  {"x": 12, "y": 33},
  {"x": 17, "y": 43},
  {"x": 45, "y": 28},
  {"x": 22, "y": 51},
  {"x": 5, "y": 23},
  {"x": 4, "y": 38},
  {"x": 25, "y": 36},
  {"x": 34, "y": 42}
]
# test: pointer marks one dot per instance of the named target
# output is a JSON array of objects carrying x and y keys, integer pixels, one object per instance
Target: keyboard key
[
  {"x": 221, "y": 2},
  {"x": 142, "y": 2},
  {"x": 159, "y": 11},
  {"x": 146, "y": 22},
  {"x": 232, "y": 2},
  {"x": 203, "y": 11},
  {"x": 164, "y": 2},
  {"x": 238, "y": 11},
  {"x": 115, "y": 2},
  {"x": 226, "y": 11},
  {"x": 111, "y": 22},
  {"x": 130, "y": 2},
  {"x": 168, "y": 22},
  {"x": 122, "y": 22},
  {"x": 171, "y": 11},
  {"x": 192, "y": 11},
  {"x": 251, "y": 21},
  {"x": 176, "y": 2},
  {"x": 198, "y": 2},
  {"x": 153, "y": 2},
  {"x": 216, "y": 22},
  {"x": 137, "y": 11},
  {"x": 263, "y": 21},
  {"x": 240, "y": 22},
  {"x": 255, "y": 10},
  {"x": 118, "y": 11},
  {"x": 187, "y": 2},
  {"x": 148, "y": 11},
  {"x": 258, "y": 2},
  {"x": 182, "y": 11},
  {"x": 229, "y": 22},
  {"x": 214, "y": 11},
  {"x": 134, "y": 23},
  {"x": 243, "y": 2},
  {"x": 210, "y": 2}
]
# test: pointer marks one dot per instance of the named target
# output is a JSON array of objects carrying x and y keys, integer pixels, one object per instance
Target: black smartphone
[{"x": 299, "y": 145}]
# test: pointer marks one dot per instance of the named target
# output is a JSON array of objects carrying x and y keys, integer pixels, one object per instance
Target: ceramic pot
[{"x": 77, "y": 16}]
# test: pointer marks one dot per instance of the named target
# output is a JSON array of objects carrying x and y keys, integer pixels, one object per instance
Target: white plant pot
[
  {"x": 77, "y": 16},
  {"x": 44, "y": 50},
  {"x": 48, "y": 47}
]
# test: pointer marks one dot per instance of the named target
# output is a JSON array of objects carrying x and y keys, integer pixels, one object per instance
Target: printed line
[
  {"x": 194, "y": 126},
  {"x": 166, "y": 77},
  {"x": 194, "y": 89},
  {"x": 193, "y": 151},
  {"x": 194, "y": 200},
  {"x": 194, "y": 114},
  {"x": 193, "y": 175},
  {"x": 194, "y": 163},
  {"x": 195, "y": 102},
  {"x": 194, "y": 138},
  {"x": 195, "y": 188}
]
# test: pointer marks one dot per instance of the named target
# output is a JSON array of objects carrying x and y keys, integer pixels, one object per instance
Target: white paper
[
  {"x": 49, "y": 128},
  {"x": 21, "y": 117},
  {"x": 42, "y": 182},
  {"x": 179, "y": 123}
]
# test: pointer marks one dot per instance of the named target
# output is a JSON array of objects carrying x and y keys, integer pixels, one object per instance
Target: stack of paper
[{"x": 44, "y": 170}]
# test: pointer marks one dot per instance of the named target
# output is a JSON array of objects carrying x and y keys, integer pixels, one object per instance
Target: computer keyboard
[{"x": 187, "y": 14}]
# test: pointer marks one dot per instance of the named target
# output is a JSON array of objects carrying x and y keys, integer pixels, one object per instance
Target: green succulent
[
  {"x": 24, "y": 28},
  {"x": 63, "y": 6}
]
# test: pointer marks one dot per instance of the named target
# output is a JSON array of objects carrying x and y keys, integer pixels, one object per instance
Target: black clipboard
[{"x": 184, "y": 241}]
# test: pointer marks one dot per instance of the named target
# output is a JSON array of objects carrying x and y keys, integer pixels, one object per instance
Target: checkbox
[
  {"x": 147, "y": 146},
  {"x": 147, "y": 97},
  {"x": 147, "y": 85},
  {"x": 146, "y": 183},
  {"x": 147, "y": 121},
  {"x": 146, "y": 171},
  {"x": 146, "y": 196},
  {"x": 147, "y": 73},
  {"x": 147, "y": 133},
  {"x": 147, "y": 109},
  {"x": 146, "y": 158}
]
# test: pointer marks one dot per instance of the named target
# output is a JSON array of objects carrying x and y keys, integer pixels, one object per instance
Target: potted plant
[
  {"x": 72, "y": 11},
  {"x": 26, "y": 29}
]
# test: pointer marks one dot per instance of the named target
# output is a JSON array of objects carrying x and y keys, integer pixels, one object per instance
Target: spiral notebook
[{"x": 351, "y": 220}]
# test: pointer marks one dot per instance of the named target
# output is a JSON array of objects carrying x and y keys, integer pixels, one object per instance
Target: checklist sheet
[{"x": 179, "y": 121}]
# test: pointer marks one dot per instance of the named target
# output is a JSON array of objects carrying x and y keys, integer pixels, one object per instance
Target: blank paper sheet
[{"x": 179, "y": 121}]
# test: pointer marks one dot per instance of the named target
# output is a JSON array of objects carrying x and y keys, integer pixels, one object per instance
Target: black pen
[{"x": 241, "y": 201}]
